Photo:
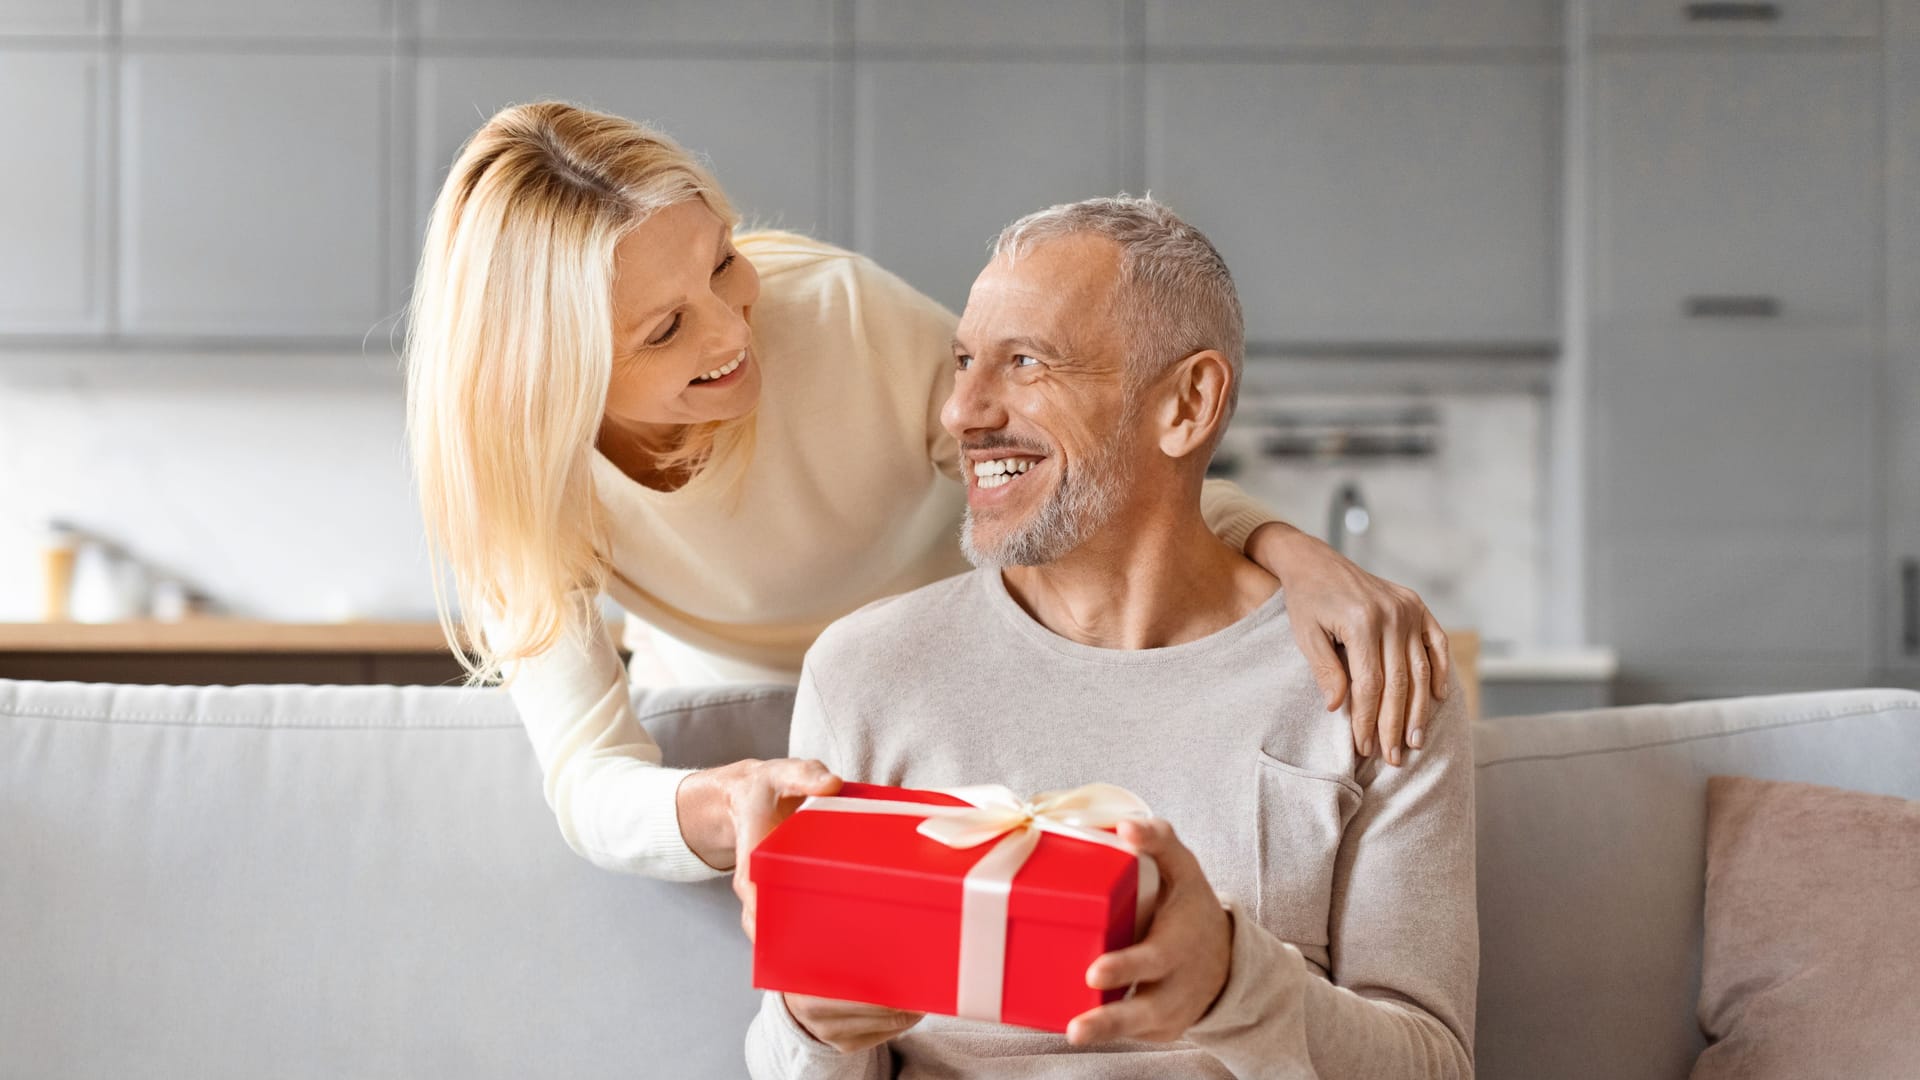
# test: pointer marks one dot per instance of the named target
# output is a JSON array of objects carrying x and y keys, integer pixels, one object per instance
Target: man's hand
[
  {"x": 726, "y": 811},
  {"x": 1396, "y": 665},
  {"x": 1181, "y": 966},
  {"x": 848, "y": 1026}
]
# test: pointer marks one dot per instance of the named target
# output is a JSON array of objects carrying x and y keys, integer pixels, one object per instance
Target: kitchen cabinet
[
  {"x": 1734, "y": 362},
  {"x": 253, "y": 194},
  {"x": 995, "y": 23},
  {"x": 657, "y": 22},
  {"x": 1373, "y": 202},
  {"x": 1424, "y": 24},
  {"x": 52, "y": 183},
  {"x": 1898, "y": 577},
  {"x": 765, "y": 125},
  {"x": 949, "y": 153},
  {"x": 1780, "y": 19},
  {"x": 1735, "y": 177},
  {"x": 52, "y": 17},
  {"x": 262, "y": 18}
]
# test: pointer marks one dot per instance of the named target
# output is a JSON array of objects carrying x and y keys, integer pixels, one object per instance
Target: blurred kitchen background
[{"x": 1596, "y": 322}]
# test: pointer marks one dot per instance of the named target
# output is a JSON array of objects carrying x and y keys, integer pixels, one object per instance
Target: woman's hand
[
  {"x": 726, "y": 811},
  {"x": 848, "y": 1026},
  {"x": 1396, "y": 664}
]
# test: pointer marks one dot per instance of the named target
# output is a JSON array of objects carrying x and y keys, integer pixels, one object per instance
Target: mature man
[{"x": 1317, "y": 909}]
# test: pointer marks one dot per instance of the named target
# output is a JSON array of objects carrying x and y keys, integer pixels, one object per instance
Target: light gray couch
[{"x": 337, "y": 882}]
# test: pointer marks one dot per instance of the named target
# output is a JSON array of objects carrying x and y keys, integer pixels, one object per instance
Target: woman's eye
[
  {"x": 667, "y": 335},
  {"x": 725, "y": 263},
  {"x": 962, "y": 362}
]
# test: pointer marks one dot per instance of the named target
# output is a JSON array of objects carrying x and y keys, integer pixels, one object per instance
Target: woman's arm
[
  {"x": 615, "y": 803},
  {"x": 1373, "y": 645}
]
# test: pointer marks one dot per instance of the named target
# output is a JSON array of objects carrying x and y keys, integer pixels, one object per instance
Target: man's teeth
[
  {"x": 723, "y": 372},
  {"x": 993, "y": 474}
]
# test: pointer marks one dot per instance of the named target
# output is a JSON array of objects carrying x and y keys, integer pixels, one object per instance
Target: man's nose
[{"x": 974, "y": 405}]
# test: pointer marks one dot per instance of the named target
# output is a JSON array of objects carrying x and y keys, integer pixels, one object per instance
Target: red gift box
[{"x": 855, "y": 903}]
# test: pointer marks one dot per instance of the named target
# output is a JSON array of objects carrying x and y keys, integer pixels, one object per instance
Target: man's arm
[
  {"x": 1403, "y": 935},
  {"x": 779, "y": 1047}
]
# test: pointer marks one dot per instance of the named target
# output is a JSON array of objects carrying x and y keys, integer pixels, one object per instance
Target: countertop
[
  {"x": 1549, "y": 665},
  {"x": 223, "y": 635}
]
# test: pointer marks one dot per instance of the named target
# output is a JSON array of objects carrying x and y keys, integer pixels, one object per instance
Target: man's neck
[{"x": 1157, "y": 580}]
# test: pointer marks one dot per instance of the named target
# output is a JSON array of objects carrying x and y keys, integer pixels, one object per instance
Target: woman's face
[{"x": 682, "y": 352}]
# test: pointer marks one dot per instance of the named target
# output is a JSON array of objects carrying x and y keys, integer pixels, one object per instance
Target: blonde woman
[{"x": 737, "y": 437}]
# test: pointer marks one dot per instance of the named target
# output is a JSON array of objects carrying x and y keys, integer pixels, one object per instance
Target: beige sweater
[
  {"x": 1351, "y": 883},
  {"x": 852, "y": 493}
]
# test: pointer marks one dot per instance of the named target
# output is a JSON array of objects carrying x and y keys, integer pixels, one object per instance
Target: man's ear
[{"x": 1194, "y": 402}]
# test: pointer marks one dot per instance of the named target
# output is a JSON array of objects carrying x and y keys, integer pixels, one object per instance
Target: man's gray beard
[{"x": 1083, "y": 503}]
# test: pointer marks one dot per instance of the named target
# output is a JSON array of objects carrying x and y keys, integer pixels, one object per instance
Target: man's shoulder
[{"x": 904, "y": 625}]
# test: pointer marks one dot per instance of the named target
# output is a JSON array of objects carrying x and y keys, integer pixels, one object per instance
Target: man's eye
[
  {"x": 725, "y": 263},
  {"x": 1024, "y": 361},
  {"x": 962, "y": 362},
  {"x": 667, "y": 335}
]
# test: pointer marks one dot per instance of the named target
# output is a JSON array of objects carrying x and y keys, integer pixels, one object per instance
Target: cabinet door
[
  {"x": 1374, "y": 202},
  {"x": 1688, "y": 18},
  {"x": 253, "y": 194},
  {"x": 764, "y": 124},
  {"x": 1346, "y": 24},
  {"x": 1900, "y": 468},
  {"x": 657, "y": 22},
  {"x": 949, "y": 153},
  {"x": 1746, "y": 427},
  {"x": 52, "y": 16},
  {"x": 942, "y": 23},
  {"x": 52, "y": 260},
  {"x": 1738, "y": 179},
  {"x": 280, "y": 18}
]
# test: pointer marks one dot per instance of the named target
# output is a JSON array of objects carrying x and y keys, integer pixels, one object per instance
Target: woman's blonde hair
[{"x": 509, "y": 352}]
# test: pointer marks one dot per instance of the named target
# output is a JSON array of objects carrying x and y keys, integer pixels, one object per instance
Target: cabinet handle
[
  {"x": 1733, "y": 12},
  {"x": 1732, "y": 307},
  {"x": 1910, "y": 606}
]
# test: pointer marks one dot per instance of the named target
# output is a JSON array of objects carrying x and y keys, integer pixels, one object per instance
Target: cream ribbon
[{"x": 996, "y": 813}]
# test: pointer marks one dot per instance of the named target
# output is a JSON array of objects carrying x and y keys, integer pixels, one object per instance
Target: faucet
[{"x": 1347, "y": 519}]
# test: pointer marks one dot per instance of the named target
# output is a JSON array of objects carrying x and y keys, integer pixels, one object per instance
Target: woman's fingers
[
  {"x": 1395, "y": 697},
  {"x": 1440, "y": 651},
  {"x": 1421, "y": 704},
  {"x": 1369, "y": 676},
  {"x": 1324, "y": 660}
]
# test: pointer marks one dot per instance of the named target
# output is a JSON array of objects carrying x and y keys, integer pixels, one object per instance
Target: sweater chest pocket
[{"x": 1300, "y": 820}]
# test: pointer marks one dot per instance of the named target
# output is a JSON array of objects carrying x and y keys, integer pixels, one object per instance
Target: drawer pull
[
  {"x": 1910, "y": 606},
  {"x": 1733, "y": 12},
  {"x": 1732, "y": 307}
]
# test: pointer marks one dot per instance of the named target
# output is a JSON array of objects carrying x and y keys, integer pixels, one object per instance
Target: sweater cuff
[
  {"x": 1238, "y": 528},
  {"x": 777, "y": 1037},
  {"x": 1264, "y": 999},
  {"x": 658, "y": 815}
]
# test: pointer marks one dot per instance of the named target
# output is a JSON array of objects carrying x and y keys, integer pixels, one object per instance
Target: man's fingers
[
  {"x": 1132, "y": 1018},
  {"x": 1394, "y": 700},
  {"x": 1145, "y": 962},
  {"x": 1369, "y": 676}
]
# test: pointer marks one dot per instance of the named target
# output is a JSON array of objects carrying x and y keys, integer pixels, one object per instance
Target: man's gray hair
[{"x": 1175, "y": 296}]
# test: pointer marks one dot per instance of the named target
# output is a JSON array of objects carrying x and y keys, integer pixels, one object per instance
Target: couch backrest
[
  {"x": 364, "y": 881},
  {"x": 1592, "y": 841}
]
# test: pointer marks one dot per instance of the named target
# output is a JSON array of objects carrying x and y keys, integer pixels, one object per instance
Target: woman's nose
[{"x": 731, "y": 333}]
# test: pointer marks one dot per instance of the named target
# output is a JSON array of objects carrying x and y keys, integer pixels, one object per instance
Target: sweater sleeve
[
  {"x": 600, "y": 770},
  {"x": 1403, "y": 936},
  {"x": 778, "y": 1048},
  {"x": 1232, "y": 514}
]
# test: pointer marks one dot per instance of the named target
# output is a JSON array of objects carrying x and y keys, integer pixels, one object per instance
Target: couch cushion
[
  {"x": 343, "y": 881},
  {"x": 1811, "y": 940},
  {"x": 1592, "y": 842}
]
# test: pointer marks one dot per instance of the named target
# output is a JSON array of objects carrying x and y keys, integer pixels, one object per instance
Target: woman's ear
[{"x": 1194, "y": 405}]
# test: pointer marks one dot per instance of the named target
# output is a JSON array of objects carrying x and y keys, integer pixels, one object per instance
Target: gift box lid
[{"x": 1064, "y": 881}]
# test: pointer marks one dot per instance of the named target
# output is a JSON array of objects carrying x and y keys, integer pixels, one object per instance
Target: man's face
[{"x": 1039, "y": 403}]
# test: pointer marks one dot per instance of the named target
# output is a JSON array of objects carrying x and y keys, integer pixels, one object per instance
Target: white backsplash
[
  {"x": 1462, "y": 527},
  {"x": 279, "y": 485}
]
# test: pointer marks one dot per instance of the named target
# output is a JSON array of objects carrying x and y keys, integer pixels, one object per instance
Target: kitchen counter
[
  {"x": 220, "y": 651},
  {"x": 1525, "y": 682}
]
